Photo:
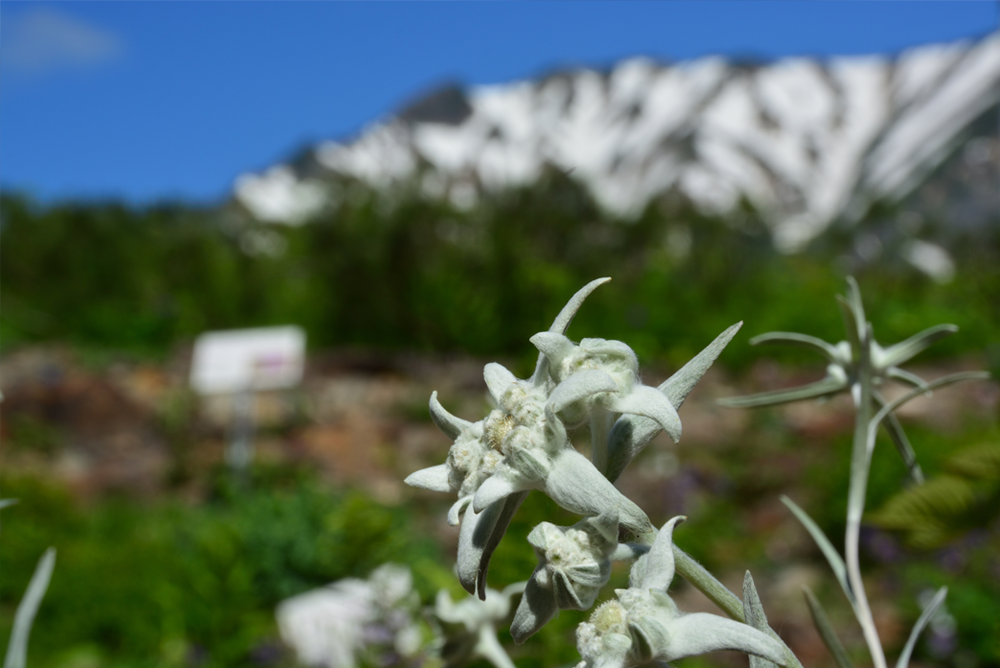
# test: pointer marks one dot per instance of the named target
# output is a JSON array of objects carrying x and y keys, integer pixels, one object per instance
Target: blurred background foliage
[{"x": 400, "y": 272}]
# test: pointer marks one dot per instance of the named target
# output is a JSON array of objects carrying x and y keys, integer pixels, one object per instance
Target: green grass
[{"x": 155, "y": 583}]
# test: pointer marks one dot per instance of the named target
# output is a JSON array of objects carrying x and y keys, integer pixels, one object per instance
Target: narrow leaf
[
  {"x": 906, "y": 377},
  {"x": 553, "y": 345},
  {"x": 449, "y": 424},
  {"x": 434, "y": 478},
  {"x": 718, "y": 594},
  {"x": 651, "y": 403},
  {"x": 574, "y": 484},
  {"x": 498, "y": 379},
  {"x": 826, "y": 631},
  {"x": 700, "y": 632},
  {"x": 561, "y": 323},
  {"x": 631, "y": 433},
  {"x": 902, "y": 443},
  {"x": 679, "y": 385},
  {"x": 855, "y": 304},
  {"x": 655, "y": 570},
  {"x": 795, "y": 339},
  {"x": 580, "y": 386},
  {"x": 820, "y": 388},
  {"x": 510, "y": 506},
  {"x": 911, "y": 347},
  {"x": 754, "y": 613},
  {"x": 912, "y": 394},
  {"x": 494, "y": 489},
  {"x": 537, "y": 607},
  {"x": 925, "y": 617},
  {"x": 826, "y": 547},
  {"x": 851, "y": 326},
  {"x": 17, "y": 650}
]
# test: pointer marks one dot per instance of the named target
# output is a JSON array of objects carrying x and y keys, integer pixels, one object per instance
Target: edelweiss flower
[
  {"x": 522, "y": 445},
  {"x": 645, "y": 625},
  {"x": 617, "y": 360},
  {"x": 844, "y": 358},
  {"x": 574, "y": 563}
]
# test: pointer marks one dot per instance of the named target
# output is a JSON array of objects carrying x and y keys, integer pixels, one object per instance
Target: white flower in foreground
[
  {"x": 520, "y": 446},
  {"x": 470, "y": 626},
  {"x": 644, "y": 624}
]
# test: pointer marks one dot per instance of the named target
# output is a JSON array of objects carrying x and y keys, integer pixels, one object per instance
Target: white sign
[{"x": 238, "y": 360}]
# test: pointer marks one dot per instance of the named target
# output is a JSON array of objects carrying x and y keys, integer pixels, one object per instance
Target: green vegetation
[
  {"x": 405, "y": 273},
  {"x": 165, "y": 583}
]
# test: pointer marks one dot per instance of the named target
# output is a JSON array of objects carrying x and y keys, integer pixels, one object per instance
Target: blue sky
[{"x": 158, "y": 100}]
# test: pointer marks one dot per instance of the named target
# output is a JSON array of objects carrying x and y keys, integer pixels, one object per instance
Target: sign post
[{"x": 240, "y": 363}]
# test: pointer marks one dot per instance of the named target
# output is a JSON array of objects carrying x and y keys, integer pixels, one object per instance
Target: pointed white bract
[{"x": 644, "y": 624}]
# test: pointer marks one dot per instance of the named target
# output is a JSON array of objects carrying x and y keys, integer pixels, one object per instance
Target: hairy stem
[{"x": 861, "y": 393}]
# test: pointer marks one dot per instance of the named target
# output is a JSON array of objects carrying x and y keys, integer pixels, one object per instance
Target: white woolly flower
[
  {"x": 574, "y": 563},
  {"x": 520, "y": 446},
  {"x": 619, "y": 362},
  {"x": 644, "y": 624}
]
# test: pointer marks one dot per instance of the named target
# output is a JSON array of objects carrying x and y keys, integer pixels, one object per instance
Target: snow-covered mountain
[{"x": 807, "y": 142}]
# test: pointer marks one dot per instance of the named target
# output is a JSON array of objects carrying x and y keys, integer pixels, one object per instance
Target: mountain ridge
[{"x": 807, "y": 142}]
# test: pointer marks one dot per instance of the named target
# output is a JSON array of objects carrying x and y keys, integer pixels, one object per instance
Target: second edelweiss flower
[
  {"x": 574, "y": 563},
  {"x": 645, "y": 625}
]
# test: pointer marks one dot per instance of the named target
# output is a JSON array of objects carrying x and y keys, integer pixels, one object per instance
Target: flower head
[
  {"x": 618, "y": 362},
  {"x": 845, "y": 356},
  {"x": 644, "y": 624},
  {"x": 520, "y": 446},
  {"x": 574, "y": 563}
]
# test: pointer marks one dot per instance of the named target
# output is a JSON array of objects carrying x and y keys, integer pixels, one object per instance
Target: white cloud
[{"x": 43, "y": 40}]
